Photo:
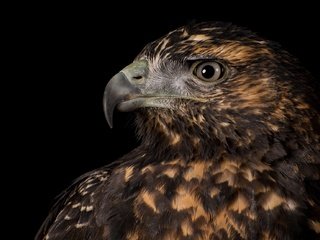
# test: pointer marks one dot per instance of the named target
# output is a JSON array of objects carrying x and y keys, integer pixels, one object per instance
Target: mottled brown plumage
[{"x": 230, "y": 132}]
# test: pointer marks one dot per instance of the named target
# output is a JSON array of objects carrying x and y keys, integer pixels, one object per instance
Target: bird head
[{"x": 214, "y": 81}]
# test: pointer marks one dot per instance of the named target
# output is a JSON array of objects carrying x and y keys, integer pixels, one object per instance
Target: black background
[{"x": 70, "y": 52}]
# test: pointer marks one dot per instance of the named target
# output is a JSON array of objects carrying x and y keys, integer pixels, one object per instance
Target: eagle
[{"x": 229, "y": 125}]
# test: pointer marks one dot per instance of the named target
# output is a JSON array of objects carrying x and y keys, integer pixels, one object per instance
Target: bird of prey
[{"x": 230, "y": 146}]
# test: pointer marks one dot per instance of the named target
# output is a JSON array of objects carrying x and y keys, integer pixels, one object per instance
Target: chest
[{"x": 202, "y": 200}]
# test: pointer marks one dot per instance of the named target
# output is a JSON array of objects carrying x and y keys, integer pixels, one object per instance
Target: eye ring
[{"x": 208, "y": 71}]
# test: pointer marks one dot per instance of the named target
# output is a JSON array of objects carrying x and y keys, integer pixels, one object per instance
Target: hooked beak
[{"x": 124, "y": 90}]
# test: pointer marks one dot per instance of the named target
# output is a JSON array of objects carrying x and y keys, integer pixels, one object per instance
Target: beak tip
[
  {"x": 110, "y": 123},
  {"x": 108, "y": 115}
]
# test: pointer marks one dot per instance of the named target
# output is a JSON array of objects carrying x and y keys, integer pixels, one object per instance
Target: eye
[{"x": 208, "y": 71}]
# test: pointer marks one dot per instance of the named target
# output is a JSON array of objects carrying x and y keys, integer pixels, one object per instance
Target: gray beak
[{"x": 125, "y": 87}]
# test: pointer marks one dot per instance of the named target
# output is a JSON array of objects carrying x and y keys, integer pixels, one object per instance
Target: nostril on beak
[
  {"x": 136, "y": 72},
  {"x": 138, "y": 79}
]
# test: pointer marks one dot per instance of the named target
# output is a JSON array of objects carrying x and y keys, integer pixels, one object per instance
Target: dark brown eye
[{"x": 208, "y": 71}]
